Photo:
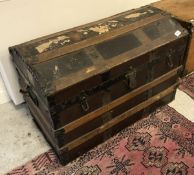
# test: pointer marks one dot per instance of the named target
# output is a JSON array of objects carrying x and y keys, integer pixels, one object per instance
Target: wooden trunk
[
  {"x": 85, "y": 84},
  {"x": 183, "y": 11}
]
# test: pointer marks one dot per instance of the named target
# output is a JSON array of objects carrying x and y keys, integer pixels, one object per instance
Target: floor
[
  {"x": 20, "y": 140},
  {"x": 4, "y": 98}
]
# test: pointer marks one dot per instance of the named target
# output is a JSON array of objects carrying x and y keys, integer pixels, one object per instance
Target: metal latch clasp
[
  {"x": 170, "y": 59},
  {"x": 84, "y": 103},
  {"x": 131, "y": 78}
]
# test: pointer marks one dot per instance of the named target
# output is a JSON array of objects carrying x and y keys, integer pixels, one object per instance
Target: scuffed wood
[
  {"x": 135, "y": 15},
  {"x": 190, "y": 60},
  {"x": 44, "y": 46},
  {"x": 100, "y": 29}
]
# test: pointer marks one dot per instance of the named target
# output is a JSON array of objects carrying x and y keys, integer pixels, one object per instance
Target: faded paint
[
  {"x": 82, "y": 30},
  {"x": 151, "y": 11},
  {"x": 56, "y": 70},
  {"x": 65, "y": 41},
  {"x": 85, "y": 33},
  {"x": 113, "y": 25},
  {"x": 100, "y": 29},
  {"x": 90, "y": 69},
  {"x": 43, "y": 47},
  {"x": 192, "y": 22},
  {"x": 113, "y": 21},
  {"x": 135, "y": 15}
]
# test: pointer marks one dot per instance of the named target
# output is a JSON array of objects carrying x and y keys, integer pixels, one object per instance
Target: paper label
[{"x": 177, "y": 33}]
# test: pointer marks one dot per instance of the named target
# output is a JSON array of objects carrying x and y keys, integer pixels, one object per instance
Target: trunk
[{"x": 85, "y": 84}]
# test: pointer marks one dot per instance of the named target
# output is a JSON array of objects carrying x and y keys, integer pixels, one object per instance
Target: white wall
[
  {"x": 3, "y": 92},
  {"x": 23, "y": 20}
]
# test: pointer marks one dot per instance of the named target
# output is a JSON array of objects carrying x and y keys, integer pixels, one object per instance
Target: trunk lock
[{"x": 84, "y": 102}]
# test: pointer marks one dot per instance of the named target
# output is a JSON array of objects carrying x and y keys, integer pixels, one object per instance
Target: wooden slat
[
  {"x": 77, "y": 142},
  {"x": 93, "y": 115}
]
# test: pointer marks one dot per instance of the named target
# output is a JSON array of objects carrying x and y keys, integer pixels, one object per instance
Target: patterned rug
[
  {"x": 187, "y": 85},
  {"x": 162, "y": 143}
]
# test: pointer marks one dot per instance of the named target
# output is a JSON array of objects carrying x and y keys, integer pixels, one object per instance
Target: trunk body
[{"x": 83, "y": 85}]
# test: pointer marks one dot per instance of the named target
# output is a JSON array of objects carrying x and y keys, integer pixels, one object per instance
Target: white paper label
[{"x": 177, "y": 33}]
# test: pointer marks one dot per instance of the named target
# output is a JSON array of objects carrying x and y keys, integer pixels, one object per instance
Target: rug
[
  {"x": 187, "y": 85},
  {"x": 162, "y": 143}
]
